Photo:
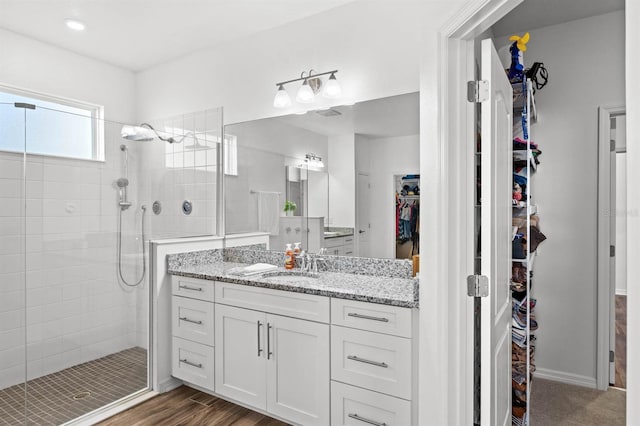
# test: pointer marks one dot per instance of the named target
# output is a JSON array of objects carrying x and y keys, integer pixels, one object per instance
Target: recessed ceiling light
[{"x": 74, "y": 25}]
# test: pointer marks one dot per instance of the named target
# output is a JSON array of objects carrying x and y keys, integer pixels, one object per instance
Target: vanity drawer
[
  {"x": 192, "y": 287},
  {"x": 374, "y": 361},
  {"x": 352, "y": 406},
  {"x": 371, "y": 316},
  {"x": 192, "y": 319},
  {"x": 193, "y": 363},
  {"x": 287, "y": 303}
]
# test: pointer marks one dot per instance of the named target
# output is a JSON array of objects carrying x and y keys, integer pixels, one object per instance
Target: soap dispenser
[
  {"x": 289, "y": 261},
  {"x": 296, "y": 253}
]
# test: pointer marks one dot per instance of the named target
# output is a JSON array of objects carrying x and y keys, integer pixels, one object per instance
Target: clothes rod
[{"x": 264, "y": 192}]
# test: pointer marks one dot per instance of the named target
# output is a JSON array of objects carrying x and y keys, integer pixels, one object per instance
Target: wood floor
[
  {"x": 621, "y": 342},
  {"x": 185, "y": 406}
]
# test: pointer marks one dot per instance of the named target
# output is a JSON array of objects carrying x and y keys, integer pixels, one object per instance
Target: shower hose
[{"x": 144, "y": 252}]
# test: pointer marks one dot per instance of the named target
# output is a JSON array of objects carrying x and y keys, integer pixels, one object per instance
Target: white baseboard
[
  {"x": 169, "y": 384},
  {"x": 568, "y": 378},
  {"x": 621, "y": 291}
]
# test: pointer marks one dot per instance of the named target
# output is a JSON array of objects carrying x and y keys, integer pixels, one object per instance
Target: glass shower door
[
  {"x": 85, "y": 344},
  {"x": 12, "y": 265}
]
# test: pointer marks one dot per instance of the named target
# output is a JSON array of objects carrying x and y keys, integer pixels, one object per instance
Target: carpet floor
[{"x": 559, "y": 404}]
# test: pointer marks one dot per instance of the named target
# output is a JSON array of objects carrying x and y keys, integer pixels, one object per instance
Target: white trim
[
  {"x": 621, "y": 292},
  {"x": 605, "y": 212},
  {"x": 632, "y": 89},
  {"x": 568, "y": 378},
  {"x": 446, "y": 314},
  {"x": 117, "y": 407}
]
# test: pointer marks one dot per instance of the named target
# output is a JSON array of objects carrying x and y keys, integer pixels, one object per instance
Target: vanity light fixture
[
  {"x": 74, "y": 25},
  {"x": 313, "y": 162},
  {"x": 311, "y": 84}
]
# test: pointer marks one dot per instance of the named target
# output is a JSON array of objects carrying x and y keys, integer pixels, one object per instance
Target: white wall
[
  {"x": 40, "y": 67},
  {"x": 342, "y": 181},
  {"x": 585, "y": 59},
  {"x": 381, "y": 159},
  {"x": 375, "y": 46}
]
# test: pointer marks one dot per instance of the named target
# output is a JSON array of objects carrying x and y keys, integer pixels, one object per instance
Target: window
[{"x": 56, "y": 127}]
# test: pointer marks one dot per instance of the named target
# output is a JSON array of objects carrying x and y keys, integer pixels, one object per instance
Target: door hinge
[
  {"x": 612, "y": 251},
  {"x": 477, "y": 90},
  {"x": 477, "y": 286},
  {"x": 612, "y": 356}
]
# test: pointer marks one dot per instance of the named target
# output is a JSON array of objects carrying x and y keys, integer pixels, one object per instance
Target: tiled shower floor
[{"x": 50, "y": 399}]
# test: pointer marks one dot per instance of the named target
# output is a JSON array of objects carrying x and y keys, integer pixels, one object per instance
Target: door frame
[
  {"x": 605, "y": 210},
  {"x": 445, "y": 381},
  {"x": 447, "y": 132}
]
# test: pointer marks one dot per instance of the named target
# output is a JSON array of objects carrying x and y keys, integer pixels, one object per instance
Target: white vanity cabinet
[
  {"x": 339, "y": 246},
  {"x": 307, "y": 359},
  {"x": 373, "y": 364},
  {"x": 273, "y": 362},
  {"x": 192, "y": 329}
]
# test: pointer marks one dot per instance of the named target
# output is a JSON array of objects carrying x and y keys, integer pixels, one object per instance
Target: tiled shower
[{"x": 62, "y": 304}]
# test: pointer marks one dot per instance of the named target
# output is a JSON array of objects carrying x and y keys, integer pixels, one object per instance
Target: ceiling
[
  {"x": 138, "y": 34},
  {"x": 532, "y": 14}
]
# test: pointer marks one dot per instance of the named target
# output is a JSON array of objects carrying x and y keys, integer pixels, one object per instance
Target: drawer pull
[
  {"x": 365, "y": 420},
  {"x": 190, "y": 320},
  {"x": 382, "y": 319},
  {"x": 186, "y": 287},
  {"x": 366, "y": 361},
  {"x": 193, "y": 364}
]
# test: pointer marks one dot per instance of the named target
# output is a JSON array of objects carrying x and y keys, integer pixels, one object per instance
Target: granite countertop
[{"x": 368, "y": 288}]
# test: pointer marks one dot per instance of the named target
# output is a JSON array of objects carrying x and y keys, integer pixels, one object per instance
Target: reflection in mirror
[{"x": 350, "y": 207}]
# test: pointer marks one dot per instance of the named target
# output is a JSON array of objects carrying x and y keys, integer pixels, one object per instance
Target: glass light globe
[
  {"x": 282, "y": 99},
  {"x": 305, "y": 94},
  {"x": 332, "y": 89}
]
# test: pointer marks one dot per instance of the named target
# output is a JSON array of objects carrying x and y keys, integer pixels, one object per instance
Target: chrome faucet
[
  {"x": 317, "y": 259},
  {"x": 305, "y": 260}
]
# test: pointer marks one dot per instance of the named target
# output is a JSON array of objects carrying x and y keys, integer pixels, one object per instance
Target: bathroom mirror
[{"x": 348, "y": 204}]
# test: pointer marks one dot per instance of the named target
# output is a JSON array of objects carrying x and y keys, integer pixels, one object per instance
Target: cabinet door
[
  {"x": 298, "y": 370},
  {"x": 240, "y": 355}
]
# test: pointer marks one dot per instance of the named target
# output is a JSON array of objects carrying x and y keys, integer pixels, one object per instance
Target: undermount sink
[{"x": 292, "y": 277}]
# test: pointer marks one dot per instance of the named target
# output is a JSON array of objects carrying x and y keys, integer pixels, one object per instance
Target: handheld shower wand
[{"x": 123, "y": 182}]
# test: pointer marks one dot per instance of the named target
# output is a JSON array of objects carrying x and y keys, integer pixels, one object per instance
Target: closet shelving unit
[{"x": 524, "y": 114}]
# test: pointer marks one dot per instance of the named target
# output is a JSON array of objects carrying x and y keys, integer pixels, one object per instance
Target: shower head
[
  {"x": 196, "y": 145},
  {"x": 122, "y": 182},
  {"x": 136, "y": 133}
]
